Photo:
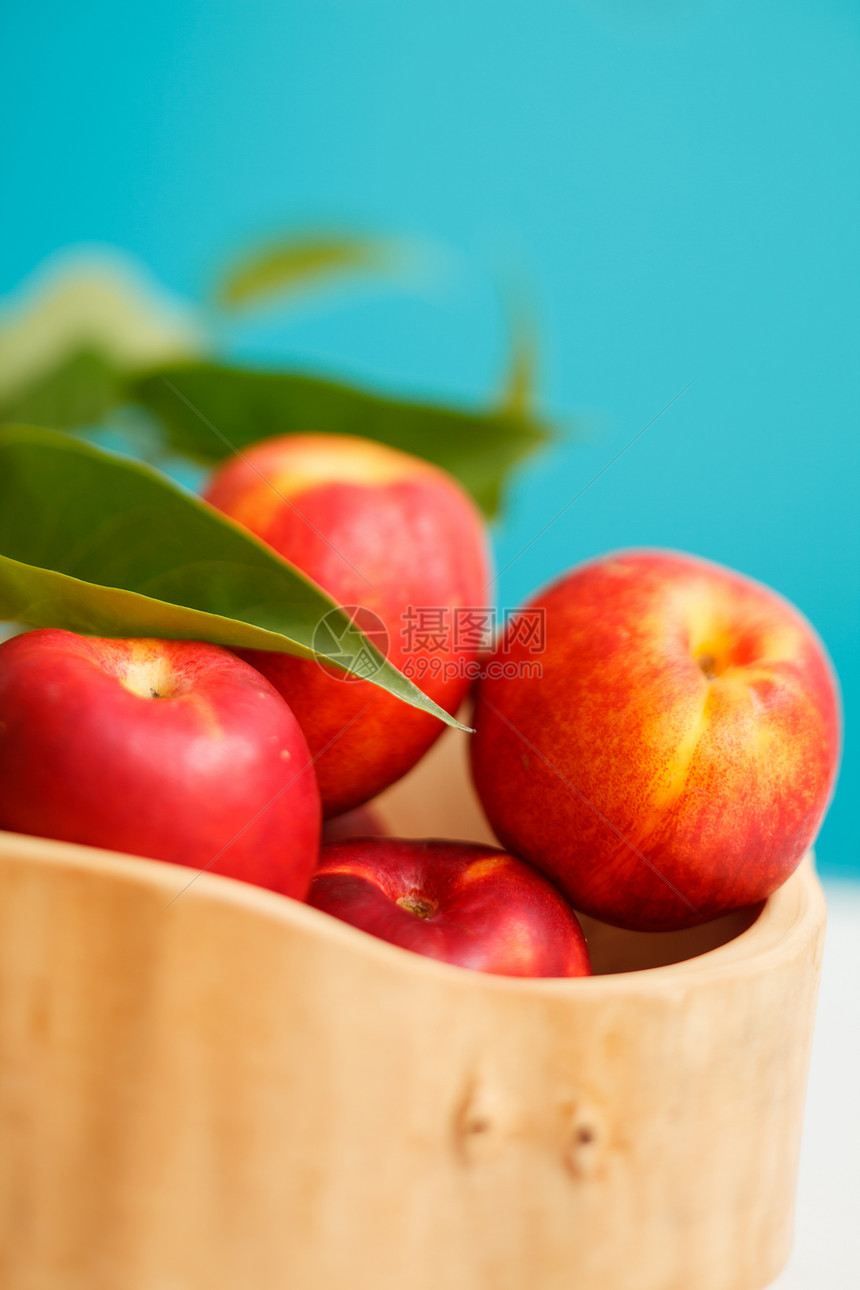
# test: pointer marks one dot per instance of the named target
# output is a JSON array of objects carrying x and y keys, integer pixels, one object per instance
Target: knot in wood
[
  {"x": 485, "y": 1120},
  {"x": 585, "y": 1142}
]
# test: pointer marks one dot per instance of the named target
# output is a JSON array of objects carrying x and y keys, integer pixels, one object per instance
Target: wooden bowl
[{"x": 224, "y": 1089}]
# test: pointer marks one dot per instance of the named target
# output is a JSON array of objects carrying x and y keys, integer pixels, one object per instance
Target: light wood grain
[{"x": 230, "y": 1090}]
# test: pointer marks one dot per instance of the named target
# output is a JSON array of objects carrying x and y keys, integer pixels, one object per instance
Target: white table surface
[{"x": 826, "y": 1253}]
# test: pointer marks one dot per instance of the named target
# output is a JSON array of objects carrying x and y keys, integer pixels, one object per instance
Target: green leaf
[
  {"x": 210, "y": 411},
  {"x": 107, "y": 546},
  {"x": 291, "y": 264}
]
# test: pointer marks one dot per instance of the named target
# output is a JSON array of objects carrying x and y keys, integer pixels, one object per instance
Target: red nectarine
[
  {"x": 175, "y": 750},
  {"x": 456, "y": 901}
]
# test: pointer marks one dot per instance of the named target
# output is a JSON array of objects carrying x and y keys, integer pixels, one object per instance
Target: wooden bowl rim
[{"x": 788, "y": 921}]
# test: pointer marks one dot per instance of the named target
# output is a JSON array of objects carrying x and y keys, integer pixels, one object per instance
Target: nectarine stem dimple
[
  {"x": 708, "y": 665},
  {"x": 417, "y": 905}
]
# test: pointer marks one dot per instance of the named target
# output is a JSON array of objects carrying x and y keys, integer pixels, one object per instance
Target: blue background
[{"x": 676, "y": 182}]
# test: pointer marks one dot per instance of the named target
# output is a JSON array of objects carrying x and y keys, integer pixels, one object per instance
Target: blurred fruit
[
  {"x": 393, "y": 535},
  {"x": 363, "y": 822}
]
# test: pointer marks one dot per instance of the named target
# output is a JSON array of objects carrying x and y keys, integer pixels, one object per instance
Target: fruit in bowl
[
  {"x": 675, "y": 757},
  {"x": 459, "y": 902},
  {"x": 398, "y": 540},
  {"x": 175, "y": 750}
]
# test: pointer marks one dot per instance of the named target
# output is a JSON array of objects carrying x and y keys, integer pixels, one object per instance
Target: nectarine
[
  {"x": 455, "y": 901},
  {"x": 175, "y": 750},
  {"x": 394, "y": 535},
  {"x": 676, "y": 756}
]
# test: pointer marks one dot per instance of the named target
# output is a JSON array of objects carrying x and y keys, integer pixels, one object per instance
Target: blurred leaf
[
  {"x": 106, "y": 546},
  {"x": 290, "y": 265},
  {"x": 79, "y": 391},
  {"x": 85, "y": 307},
  {"x": 520, "y": 387},
  {"x": 86, "y": 338},
  {"x": 209, "y": 411}
]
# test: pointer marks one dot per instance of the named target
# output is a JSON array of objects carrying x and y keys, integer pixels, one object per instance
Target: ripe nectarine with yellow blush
[{"x": 676, "y": 756}]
